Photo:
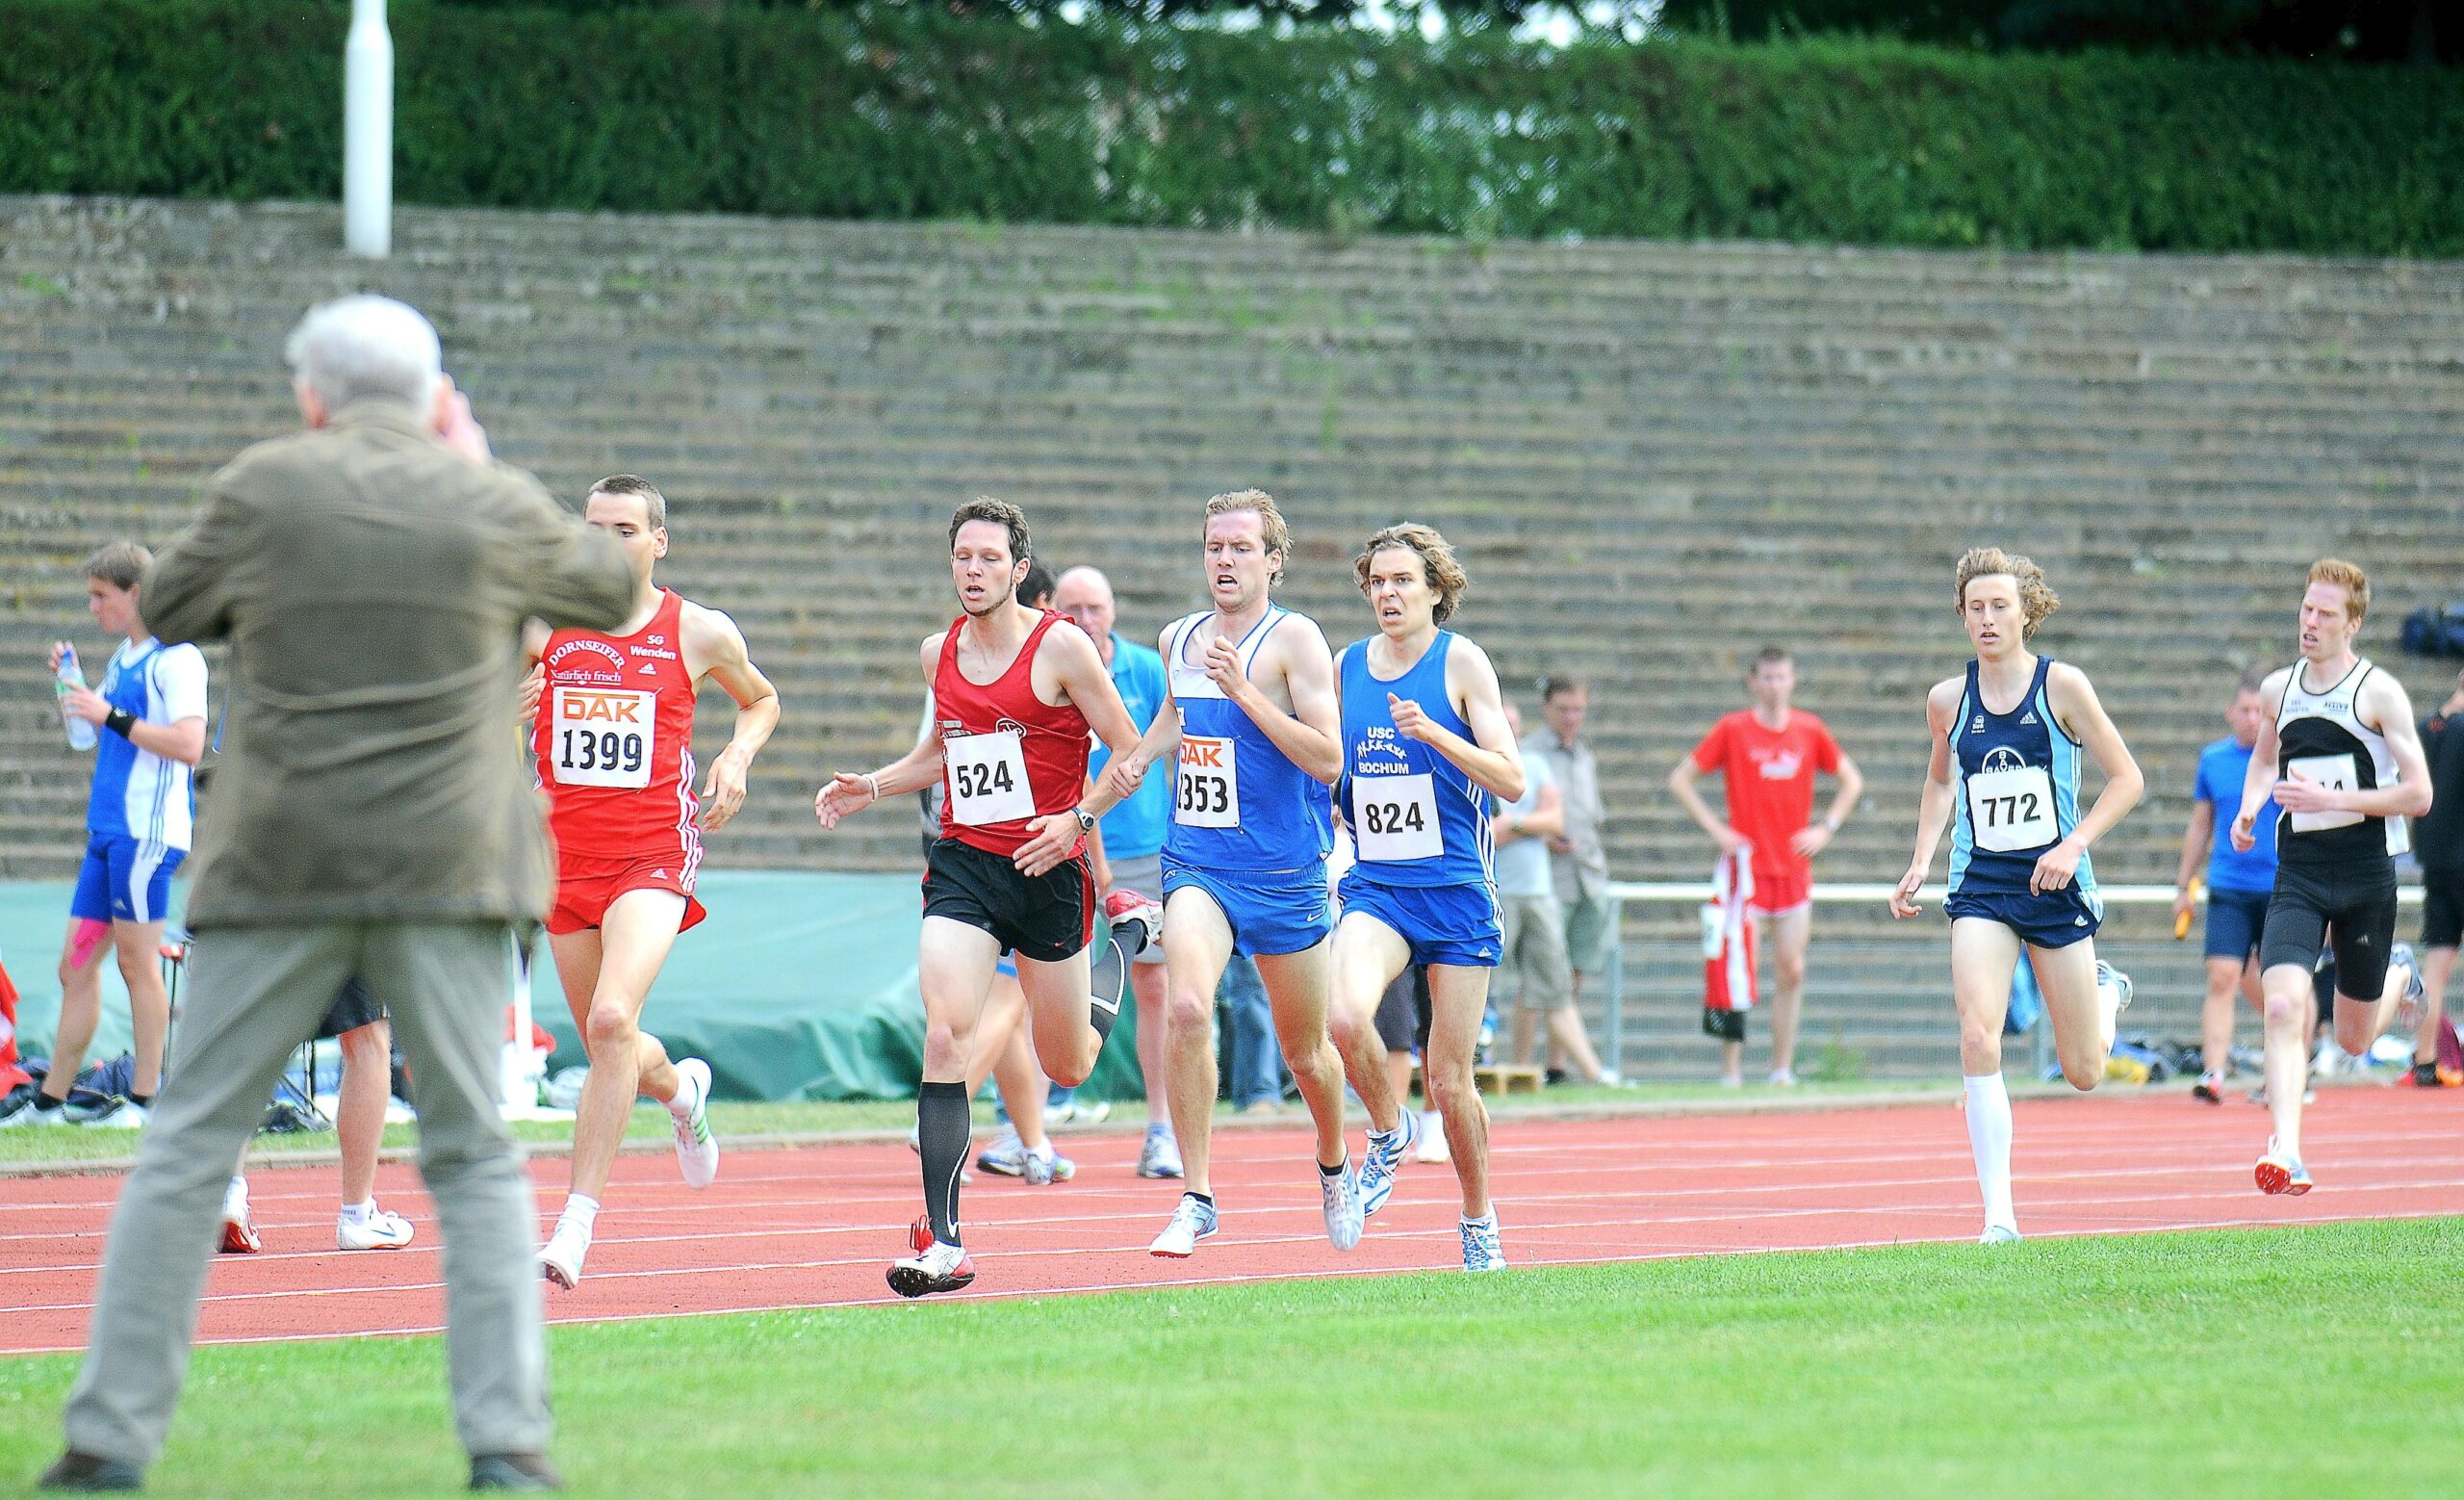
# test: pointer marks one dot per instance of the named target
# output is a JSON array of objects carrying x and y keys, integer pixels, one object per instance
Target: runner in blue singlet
[
  {"x": 1249, "y": 725},
  {"x": 1426, "y": 747},
  {"x": 2007, "y": 736}
]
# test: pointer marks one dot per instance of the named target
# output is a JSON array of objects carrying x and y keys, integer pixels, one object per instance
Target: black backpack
[{"x": 2435, "y": 631}]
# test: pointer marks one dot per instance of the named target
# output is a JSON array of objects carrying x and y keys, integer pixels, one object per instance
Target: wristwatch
[{"x": 1086, "y": 819}]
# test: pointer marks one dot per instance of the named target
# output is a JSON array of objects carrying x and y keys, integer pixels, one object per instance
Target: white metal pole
[{"x": 368, "y": 132}]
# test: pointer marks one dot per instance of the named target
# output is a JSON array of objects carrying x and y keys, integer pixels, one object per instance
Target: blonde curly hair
[{"x": 2036, "y": 599}]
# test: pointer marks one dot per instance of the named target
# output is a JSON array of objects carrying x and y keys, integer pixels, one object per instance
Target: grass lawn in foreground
[{"x": 2304, "y": 1361}]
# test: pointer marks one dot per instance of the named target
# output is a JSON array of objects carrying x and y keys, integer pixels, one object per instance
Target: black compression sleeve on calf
[
  {"x": 943, "y": 1122},
  {"x": 1105, "y": 982}
]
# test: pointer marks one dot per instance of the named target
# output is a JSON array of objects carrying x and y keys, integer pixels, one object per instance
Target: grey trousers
[{"x": 253, "y": 994}]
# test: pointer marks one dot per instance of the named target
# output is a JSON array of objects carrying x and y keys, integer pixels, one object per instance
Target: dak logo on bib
[
  {"x": 604, "y": 737},
  {"x": 2009, "y": 804},
  {"x": 1207, "y": 792}
]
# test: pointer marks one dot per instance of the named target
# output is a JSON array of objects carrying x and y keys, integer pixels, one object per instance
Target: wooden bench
[{"x": 1503, "y": 1079}]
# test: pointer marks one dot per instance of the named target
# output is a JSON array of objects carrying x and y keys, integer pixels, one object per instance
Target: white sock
[
  {"x": 1989, "y": 1137},
  {"x": 1432, "y": 1122},
  {"x": 582, "y": 1212},
  {"x": 684, "y": 1101},
  {"x": 1042, "y": 1152},
  {"x": 358, "y": 1213},
  {"x": 1486, "y": 1220}
]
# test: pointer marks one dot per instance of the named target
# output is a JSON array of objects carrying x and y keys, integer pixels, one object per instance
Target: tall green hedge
[{"x": 907, "y": 113}]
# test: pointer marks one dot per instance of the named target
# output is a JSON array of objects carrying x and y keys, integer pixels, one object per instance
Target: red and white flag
[{"x": 1728, "y": 936}]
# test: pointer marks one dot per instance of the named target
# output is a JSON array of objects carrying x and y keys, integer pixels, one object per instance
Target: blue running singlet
[{"x": 1416, "y": 819}]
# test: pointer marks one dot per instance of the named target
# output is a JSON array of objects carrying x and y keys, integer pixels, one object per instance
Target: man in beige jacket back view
[{"x": 370, "y": 816}]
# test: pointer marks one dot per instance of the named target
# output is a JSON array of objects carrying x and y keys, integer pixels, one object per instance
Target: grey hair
[{"x": 366, "y": 345}]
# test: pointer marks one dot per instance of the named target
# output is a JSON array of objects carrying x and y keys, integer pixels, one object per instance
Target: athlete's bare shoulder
[
  {"x": 534, "y": 639},
  {"x": 710, "y": 636},
  {"x": 1296, "y": 641},
  {"x": 1942, "y": 699},
  {"x": 2382, "y": 700},
  {"x": 931, "y": 652},
  {"x": 2271, "y": 686}
]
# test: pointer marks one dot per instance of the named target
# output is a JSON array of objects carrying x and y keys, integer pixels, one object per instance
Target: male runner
[
  {"x": 1127, "y": 846},
  {"x": 358, "y": 1020},
  {"x": 1251, "y": 725},
  {"x": 614, "y": 736},
  {"x": 1426, "y": 746},
  {"x": 1016, "y": 693},
  {"x": 2239, "y": 883},
  {"x": 1768, "y": 756},
  {"x": 2006, "y": 738},
  {"x": 2343, "y": 761},
  {"x": 151, "y": 711}
]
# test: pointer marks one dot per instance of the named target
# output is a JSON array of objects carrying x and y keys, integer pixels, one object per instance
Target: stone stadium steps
[{"x": 1653, "y": 457}]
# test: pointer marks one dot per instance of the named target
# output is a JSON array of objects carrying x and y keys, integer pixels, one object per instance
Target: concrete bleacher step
[{"x": 1653, "y": 457}]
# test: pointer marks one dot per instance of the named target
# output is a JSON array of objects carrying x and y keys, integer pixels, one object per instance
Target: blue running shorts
[
  {"x": 1270, "y": 915},
  {"x": 1444, "y": 925}
]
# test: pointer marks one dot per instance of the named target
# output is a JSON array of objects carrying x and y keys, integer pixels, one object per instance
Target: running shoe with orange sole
[
  {"x": 239, "y": 1232},
  {"x": 2280, "y": 1173}
]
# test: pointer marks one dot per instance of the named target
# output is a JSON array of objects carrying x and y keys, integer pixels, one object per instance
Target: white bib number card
[
  {"x": 1207, "y": 791},
  {"x": 2336, "y": 771},
  {"x": 988, "y": 779},
  {"x": 1397, "y": 817},
  {"x": 604, "y": 737},
  {"x": 2012, "y": 809}
]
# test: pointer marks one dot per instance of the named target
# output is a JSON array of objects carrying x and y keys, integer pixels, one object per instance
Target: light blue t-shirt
[
  {"x": 2221, "y": 767},
  {"x": 1523, "y": 865},
  {"x": 1135, "y": 829}
]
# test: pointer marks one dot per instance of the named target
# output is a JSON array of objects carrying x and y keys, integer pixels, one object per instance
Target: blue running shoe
[
  {"x": 1387, "y": 1152},
  {"x": 1483, "y": 1249}
]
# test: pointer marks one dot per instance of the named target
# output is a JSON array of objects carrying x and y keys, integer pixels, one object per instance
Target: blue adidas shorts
[
  {"x": 1444, "y": 925},
  {"x": 2055, "y": 920},
  {"x": 2235, "y": 921},
  {"x": 1270, "y": 915},
  {"x": 124, "y": 880}
]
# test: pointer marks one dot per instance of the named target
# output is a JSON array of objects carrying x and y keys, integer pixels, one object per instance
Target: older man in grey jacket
[{"x": 370, "y": 816}]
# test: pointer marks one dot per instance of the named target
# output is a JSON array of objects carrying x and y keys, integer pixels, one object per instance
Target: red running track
[{"x": 816, "y": 1226}]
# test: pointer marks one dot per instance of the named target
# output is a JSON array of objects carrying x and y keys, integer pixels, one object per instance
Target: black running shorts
[
  {"x": 353, "y": 1008},
  {"x": 2442, "y": 907},
  {"x": 1729, "y": 1026},
  {"x": 2349, "y": 909},
  {"x": 1045, "y": 917}
]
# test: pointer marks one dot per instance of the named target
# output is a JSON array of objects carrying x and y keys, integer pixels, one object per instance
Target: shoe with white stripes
[
  {"x": 1483, "y": 1247},
  {"x": 1339, "y": 1195},
  {"x": 1388, "y": 1151},
  {"x": 697, "y": 1150}
]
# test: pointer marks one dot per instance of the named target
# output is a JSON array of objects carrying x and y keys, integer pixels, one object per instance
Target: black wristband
[{"x": 120, "y": 721}]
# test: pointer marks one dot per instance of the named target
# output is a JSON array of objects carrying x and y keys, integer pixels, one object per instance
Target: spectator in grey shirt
[{"x": 1578, "y": 860}]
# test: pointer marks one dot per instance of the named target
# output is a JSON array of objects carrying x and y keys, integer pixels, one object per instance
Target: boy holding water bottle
[{"x": 146, "y": 726}]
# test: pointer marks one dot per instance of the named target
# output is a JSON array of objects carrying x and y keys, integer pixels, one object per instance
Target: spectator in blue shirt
[
  {"x": 1128, "y": 848},
  {"x": 2238, "y": 884}
]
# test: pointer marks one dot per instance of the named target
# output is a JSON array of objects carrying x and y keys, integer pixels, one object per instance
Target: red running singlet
[
  {"x": 614, "y": 737},
  {"x": 1007, "y": 755}
]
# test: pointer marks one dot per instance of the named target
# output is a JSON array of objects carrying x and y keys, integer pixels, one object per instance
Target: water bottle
[{"x": 81, "y": 731}]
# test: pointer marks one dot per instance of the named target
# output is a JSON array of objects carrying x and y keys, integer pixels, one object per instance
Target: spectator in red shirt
[{"x": 1769, "y": 754}]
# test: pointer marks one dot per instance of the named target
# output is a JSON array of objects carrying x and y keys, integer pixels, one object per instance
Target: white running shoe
[
  {"x": 1433, "y": 1147},
  {"x": 560, "y": 1258},
  {"x": 239, "y": 1232},
  {"x": 1386, "y": 1153},
  {"x": 1483, "y": 1245},
  {"x": 380, "y": 1230},
  {"x": 1045, "y": 1168},
  {"x": 117, "y": 1114},
  {"x": 1339, "y": 1195},
  {"x": 1193, "y": 1220},
  {"x": 934, "y": 1267},
  {"x": 1784, "y": 1077},
  {"x": 1999, "y": 1235},
  {"x": 697, "y": 1150},
  {"x": 1161, "y": 1156}
]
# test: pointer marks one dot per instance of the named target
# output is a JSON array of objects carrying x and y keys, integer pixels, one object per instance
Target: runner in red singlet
[
  {"x": 1016, "y": 692},
  {"x": 613, "y": 730}
]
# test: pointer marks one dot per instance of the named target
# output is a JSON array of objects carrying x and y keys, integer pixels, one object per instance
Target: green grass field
[{"x": 2309, "y": 1361}]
